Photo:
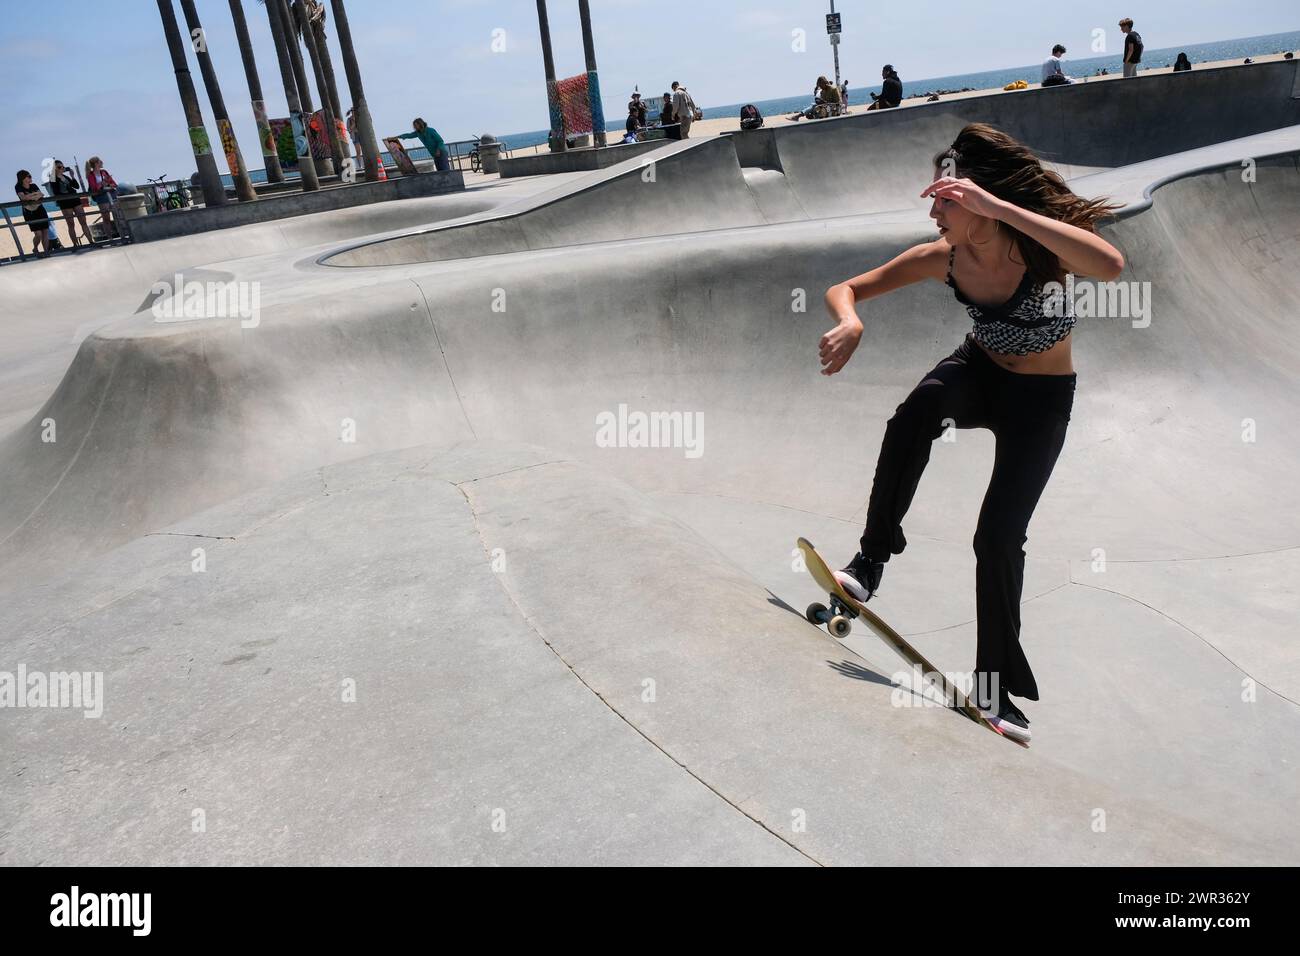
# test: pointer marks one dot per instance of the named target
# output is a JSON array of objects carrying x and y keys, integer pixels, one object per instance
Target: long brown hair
[{"x": 1008, "y": 170}]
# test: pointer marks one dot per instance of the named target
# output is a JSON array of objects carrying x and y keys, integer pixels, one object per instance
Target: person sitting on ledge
[{"x": 891, "y": 92}]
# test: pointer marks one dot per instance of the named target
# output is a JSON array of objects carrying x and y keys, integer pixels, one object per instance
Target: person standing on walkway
[
  {"x": 103, "y": 192},
  {"x": 427, "y": 135},
  {"x": 684, "y": 109},
  {"x": 34, "y": 214},
  {"x": 67, "y": 196},
  {"x": 1132, "y": 47},
  {"x": 1010, "y": 231}
]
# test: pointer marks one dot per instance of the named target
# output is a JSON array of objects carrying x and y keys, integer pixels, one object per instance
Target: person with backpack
[
  {"x": 685, "y": 112},
  {"x": 1132, "y": 47}
]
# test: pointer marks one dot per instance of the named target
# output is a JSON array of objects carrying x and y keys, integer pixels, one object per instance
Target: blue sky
[{"x": 104, "y": 84}]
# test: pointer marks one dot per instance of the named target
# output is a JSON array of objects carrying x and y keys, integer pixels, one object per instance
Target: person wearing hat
[{"x": 637, "y": 106}]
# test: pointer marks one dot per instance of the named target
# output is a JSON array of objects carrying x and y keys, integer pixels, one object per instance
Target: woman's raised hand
[{"x": 967, "y": 194}]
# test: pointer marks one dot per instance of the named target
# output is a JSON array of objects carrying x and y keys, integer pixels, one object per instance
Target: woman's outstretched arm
[{"x": 926, "y": 261}]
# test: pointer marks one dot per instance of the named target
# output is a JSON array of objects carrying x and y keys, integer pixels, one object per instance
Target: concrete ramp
[
  {"x": 377, "y": 561},
  {"x": 861, "y": 164}
]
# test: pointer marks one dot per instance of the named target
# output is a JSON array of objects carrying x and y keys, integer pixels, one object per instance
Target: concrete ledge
[
  {"x": 577, "y": 160},
  {"x": 184, "y": 222}
]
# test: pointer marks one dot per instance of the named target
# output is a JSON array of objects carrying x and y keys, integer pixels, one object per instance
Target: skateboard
[
  {"x": 401, "y": 158},
  {"x": 844, "y": 609}
]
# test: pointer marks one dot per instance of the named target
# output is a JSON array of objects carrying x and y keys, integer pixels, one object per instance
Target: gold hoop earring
[{"x": 997, "y": 224}]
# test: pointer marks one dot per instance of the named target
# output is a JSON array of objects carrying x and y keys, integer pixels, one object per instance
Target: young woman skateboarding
[{"x": 1007, "y": 227}]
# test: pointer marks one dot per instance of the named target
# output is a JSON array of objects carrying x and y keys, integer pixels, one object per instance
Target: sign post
[{"x": 833, "y": 31}]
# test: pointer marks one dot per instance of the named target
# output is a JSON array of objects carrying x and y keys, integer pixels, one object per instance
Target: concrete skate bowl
[
  {"x": 50, "y": 307},
  {"x": 604, "y": 643},
  {"x": 862, "y": 164}
]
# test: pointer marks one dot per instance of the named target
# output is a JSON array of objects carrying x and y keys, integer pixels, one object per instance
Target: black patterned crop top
[{"x": 1032, "y": 320}]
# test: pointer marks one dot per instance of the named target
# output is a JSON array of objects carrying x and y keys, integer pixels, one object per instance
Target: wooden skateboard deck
[
  {"x": 401, "y": 158},
  {"x": 844, "y": 608}
]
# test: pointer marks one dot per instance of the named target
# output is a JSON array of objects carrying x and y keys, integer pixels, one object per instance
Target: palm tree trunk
[
  {"x": 317, "y": 17},
  {"x": 270, "y": 155},
  {"x": 299, "y": 71},
  {"x": 361, "y": 110},
  {"x": 214, "y": 193},
  {"x": 558, "y": 141},
  {"x": 306, "y": 166},
  {"x": 229, "y": 144},
  {"x": 322, "y": 87},
  {"x": 593, "y": 83}
]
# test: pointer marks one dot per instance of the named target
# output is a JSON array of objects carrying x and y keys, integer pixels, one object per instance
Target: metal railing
[
  {"x": 94, "y": 217},
  {"x": 458, "y": 159}
]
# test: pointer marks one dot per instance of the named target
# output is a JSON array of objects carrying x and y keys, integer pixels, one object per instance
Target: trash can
[
  {"x": 132, "y": 205},
  {"x": 489, "y": 151}
]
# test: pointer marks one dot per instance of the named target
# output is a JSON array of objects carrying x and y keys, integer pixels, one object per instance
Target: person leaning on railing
[
  {"x": 34, "y": 214},
  {"x": 427, "y": 135},
  {"x": 67, "y": 196},
  {"x": 103, "y": 190}
]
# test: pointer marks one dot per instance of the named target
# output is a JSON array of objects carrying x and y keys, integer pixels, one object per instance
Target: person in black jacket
[
  {"x": 891, "y": 93},
  {"x": 67, "y": 196}
]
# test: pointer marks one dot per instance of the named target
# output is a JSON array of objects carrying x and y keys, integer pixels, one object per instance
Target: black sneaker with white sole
[
  {"x": 1008, "y": 718},
  {"x": 861, "y": 577}
]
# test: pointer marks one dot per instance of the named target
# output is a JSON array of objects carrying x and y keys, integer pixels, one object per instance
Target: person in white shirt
[
  {"x": 683, "y": 108},
  {"x": 1052, "y": 66}
]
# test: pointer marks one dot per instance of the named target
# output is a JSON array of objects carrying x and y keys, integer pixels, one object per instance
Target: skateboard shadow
[
  {"x": 845, "y": 667},
  {"x": 858, "y": 672}
]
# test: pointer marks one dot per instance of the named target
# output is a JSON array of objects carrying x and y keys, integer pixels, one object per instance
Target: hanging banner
[
  {"x": 557, "y": 114},
  {"x": 574, "y": 104},
  {"x": 199, "y": 141},
  {"x": 263, "y": 128},
  {"x": 593, "y": 99},
  {"x": 228, "y": 145},
  {"x": 299, "y": 134}
]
